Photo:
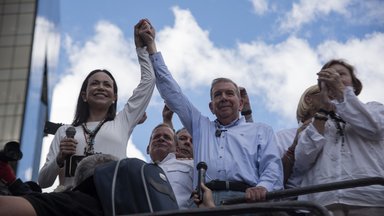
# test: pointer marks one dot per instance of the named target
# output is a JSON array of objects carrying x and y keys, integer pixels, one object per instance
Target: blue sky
[{"x": 272, "y": 48}]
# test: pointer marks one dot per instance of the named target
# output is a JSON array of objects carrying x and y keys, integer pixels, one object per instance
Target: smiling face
[
  {"x": 225, "y": 101},
  {"x": 162, "y": 143},
  {"x": 99, "y": 93}
]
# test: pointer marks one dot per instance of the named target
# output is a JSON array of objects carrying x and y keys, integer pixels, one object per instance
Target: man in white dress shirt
[{"x": 162, "y": 149}]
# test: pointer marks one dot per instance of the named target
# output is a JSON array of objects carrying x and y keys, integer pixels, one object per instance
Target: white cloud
[
  {"x": 260, "y": 6},
  {"x": 46, "y": 46},
  {"x": 366, "y": 12},
  {"x": 186, "y": 43},
  {"x": 132, "y": 151},
  {"x": 46, "y": 43},
  {"x": 280, "y": 72},
  {"x": 307, "y": 11},
  {"x": 354, "y": 12}
]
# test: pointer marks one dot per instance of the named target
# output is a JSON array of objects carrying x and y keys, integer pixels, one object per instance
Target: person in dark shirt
[{"x": 80, "y": 200}]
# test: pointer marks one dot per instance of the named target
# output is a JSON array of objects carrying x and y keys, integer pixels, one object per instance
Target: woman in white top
[
  {"x": 345, "y": 141},
  {"x": 98, "y": 128},
  {"x": 287, "y": 138}
]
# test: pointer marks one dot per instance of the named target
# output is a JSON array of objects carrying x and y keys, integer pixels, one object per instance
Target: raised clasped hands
[
  {"x": 325, "y": 98},
  {"x": 330, "y": 79},
  {"x": 145, "y": 35}
]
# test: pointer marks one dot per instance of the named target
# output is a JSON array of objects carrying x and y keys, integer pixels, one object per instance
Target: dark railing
[
  {"x": 238, "y": 205},
  {"x": 247, "y": 208},
  {"x": 315, "y": 189}
]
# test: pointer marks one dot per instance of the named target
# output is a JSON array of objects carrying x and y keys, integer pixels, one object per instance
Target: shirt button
[{"x": 220, "y": 157}]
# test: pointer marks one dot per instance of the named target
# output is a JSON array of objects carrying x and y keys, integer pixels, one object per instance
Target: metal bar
[
  {"x": 314, "y": 189},
  {"x": 254, "y": 208},
  {"x": 238, "y": 205}
]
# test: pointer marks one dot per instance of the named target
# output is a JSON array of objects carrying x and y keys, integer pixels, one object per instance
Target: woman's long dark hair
[{"x": 82, "y": 108}]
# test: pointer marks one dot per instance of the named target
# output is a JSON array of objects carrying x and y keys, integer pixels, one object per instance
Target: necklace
[
  {"x": 340, "y": 126},
  {"x": 89, "y": 136}
]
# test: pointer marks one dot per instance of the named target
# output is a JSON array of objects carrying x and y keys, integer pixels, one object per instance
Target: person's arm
[
  {"x": 366, "y": 119},
  {"x": 168, "y": 88},
  {"x": 270, "y": 169},
  {"x": 247, "y": 110},
  {"x": 288, "y": 158},
  {"x": 16, "y": 206},
  {"x": 51, "y": 169},
  {"x": 167, "y": 116},
  {"x": 208, "y": 201},
  {"x": 310, "y": 145},
  {"x": 143, "y": 118},
  {"x": 135, "y": 107},
  {"x": 172, "y": 94},
  {"x": 312, "y": 140}
]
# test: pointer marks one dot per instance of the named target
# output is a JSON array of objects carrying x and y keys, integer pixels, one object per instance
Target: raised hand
[
  {"x": 333, "y": 83},
  {"x": 167, "y": 115},
  {"x": 138, "y": 40},
  {"x": 244, "y": 96},
  {"x": 325, "y": 97},
  {"x": 147, "y": 34}
]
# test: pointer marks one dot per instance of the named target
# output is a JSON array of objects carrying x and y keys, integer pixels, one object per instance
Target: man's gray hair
[
  {"x": 86, "y": 167},
  {"x": 222, "y": 79}
]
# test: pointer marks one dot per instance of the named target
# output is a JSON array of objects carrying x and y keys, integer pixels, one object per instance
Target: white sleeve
[{"x": 50, "y": 170}]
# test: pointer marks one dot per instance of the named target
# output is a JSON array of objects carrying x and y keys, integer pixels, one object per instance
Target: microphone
[
  {"x": 70, "y": 132},
  {"x": 219, "y": 131},
  {"x": 201, "y": 168}
]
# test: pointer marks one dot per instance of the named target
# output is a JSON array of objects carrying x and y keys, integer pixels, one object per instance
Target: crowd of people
[{"x": 338, "y": 138}]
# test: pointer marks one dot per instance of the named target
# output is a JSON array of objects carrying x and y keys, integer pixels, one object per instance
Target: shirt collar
[
  {"x": 170, "y": 156},
  {"x": 234, "y": 123}
]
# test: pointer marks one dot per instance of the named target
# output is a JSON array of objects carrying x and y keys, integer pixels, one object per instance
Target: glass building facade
[{"x": 29, "y": 49}]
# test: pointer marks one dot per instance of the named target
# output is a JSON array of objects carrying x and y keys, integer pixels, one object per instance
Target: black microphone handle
[
  {"x": 201, "y": 168},
  {"x": 70, "y": 132}
]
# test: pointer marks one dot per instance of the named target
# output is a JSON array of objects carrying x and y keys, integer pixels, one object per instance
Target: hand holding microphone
[
  {"x": 202, "y": 169},
  {"x": 67, "y": 146}
]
